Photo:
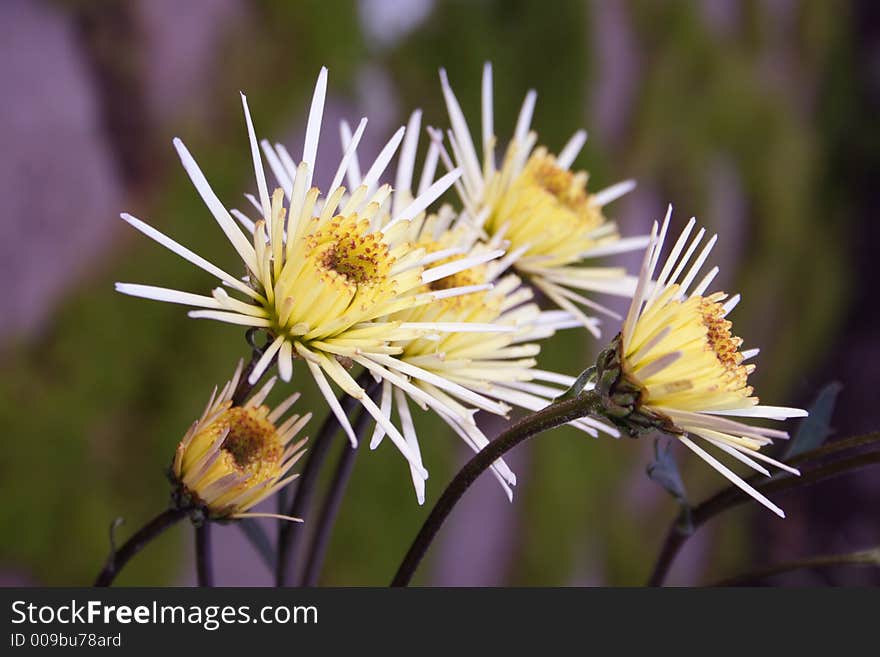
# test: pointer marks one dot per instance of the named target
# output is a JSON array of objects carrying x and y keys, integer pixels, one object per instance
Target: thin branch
[
  {"x": 732, "y": 496},
  {"x": 291, "y": 535},
  {"x": 259, "y": 539},
  {"x": 869, "y": 557},
  {"x": 117, "y": 560},
  {"x": 548, "y": 418},
  {"x": 332, "y": 503},
  {"x": 204, "y": 570},
  {"x": 244, "y": 387},
  {"x": 837, "y": 446}
]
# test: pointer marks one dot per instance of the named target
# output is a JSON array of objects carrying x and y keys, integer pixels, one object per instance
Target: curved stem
[
  {"x": 551, "y": 417},
  {"x": 330, "y": 508},
  {"x": 829, "y": 449},
  {"x": 860, "y": 558},
  {"x": 117, "y": 560},
  {"x": 675, "y": 538},
  {"x": 204, "y": 570},
  {"x": 290, "y": 534},
  {"x": 732, "y": 496}
]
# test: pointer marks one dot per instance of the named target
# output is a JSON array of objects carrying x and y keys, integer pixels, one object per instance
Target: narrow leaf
[
  {"x": 663, "y": 471},
  {"x": 257, "y": 536},
  {"x": 585, "y": 377},
  {"x": 816, "y": 427}
]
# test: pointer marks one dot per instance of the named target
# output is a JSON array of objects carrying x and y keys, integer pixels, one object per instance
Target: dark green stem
[
  {"x": 548, "y": 418},
  {"x": 291, "y": 535},
  {"x": 861, "y": 558},
  {"x": 244, "y": 387},
  {"x": 332, "y": 502},
  {"x": 732, "y": 496},
  {"x": 117, "y": 560},
  {"x": 204, "y": 570}
]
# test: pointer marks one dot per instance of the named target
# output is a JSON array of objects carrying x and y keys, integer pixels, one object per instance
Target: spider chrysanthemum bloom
[
  {"x": 545, "y": 212},
  {"x": 322, "y": 277},
  {"x": 500, "y": 365},
  {"x": 676, "y": 365},
  {"x": 234, "y": 457}
]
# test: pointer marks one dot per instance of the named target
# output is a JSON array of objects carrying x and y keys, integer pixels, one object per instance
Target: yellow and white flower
[
  {"x": 321, "y": 276},
  {"x": 679, "y": 367},
  {"x": 499, "y": 366},
  {"x": 234, "y": 457},
  {"x": 553, "y": 224},
  {"x": 446, "y": 280}
]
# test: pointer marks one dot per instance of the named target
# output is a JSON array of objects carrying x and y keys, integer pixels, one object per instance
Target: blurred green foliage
[{"x": 93, "y": 407}]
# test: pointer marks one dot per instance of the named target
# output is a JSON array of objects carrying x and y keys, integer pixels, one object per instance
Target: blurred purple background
[{"x": 758, "y": 117}]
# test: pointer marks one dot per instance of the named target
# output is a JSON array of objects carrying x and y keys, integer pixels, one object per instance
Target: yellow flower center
[
  {"x": 227, "y": 477},
  {"x": 347, "y": 251},
  {"x": 568, "y": 189},
  {"x": 721, "y": 340},
  {"x": 338, "y": 273},
  {"x": 482, "y": 307},
  {"x": 547, "y": 208},
  {"x": 251, "y": 439},
  {"x": 474, "y": 276}
]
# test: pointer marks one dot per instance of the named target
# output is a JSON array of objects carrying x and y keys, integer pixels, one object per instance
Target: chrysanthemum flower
[
  {"x": 444, "y": 277},
  {"x": 677, "y": 367},
  {"x": 233, "y": 457},
  {"x": 553, "y": 224},
  {"x": 321, "y": 276},
  {"x": 500, "y": 366}
]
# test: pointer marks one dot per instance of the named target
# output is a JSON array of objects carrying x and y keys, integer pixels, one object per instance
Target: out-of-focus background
[{"x": 758, "y": 117}]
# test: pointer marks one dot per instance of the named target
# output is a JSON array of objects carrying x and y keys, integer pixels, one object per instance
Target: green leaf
[
  {"x": 259, "y": 539},
  {"x": 815, "y": 428},
  {"x": 663, "y": 471},
  {"x": 585, "y": 377}
]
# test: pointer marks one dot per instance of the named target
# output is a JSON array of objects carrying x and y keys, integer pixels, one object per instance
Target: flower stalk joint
[{"x": 622, "y": 395}]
